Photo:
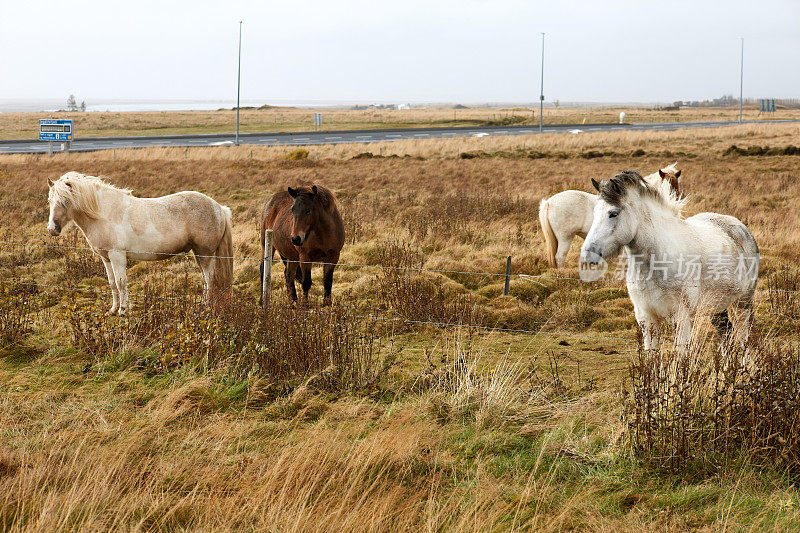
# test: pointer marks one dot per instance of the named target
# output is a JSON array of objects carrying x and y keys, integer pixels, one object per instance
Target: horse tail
[
  {"x": 223, "y": 257},
  {"x": 549, "y": 236}
]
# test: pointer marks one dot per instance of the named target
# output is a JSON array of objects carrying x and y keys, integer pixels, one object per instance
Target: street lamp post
[
  {"x": 238, "y": 83},
  {"x": 741, "y": 80},
  {"x": 541, "y": 92}
]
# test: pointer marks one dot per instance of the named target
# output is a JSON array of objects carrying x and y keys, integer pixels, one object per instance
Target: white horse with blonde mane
[
  {"x": 569, "y": 213},
  {"x": 677, "y": 268},
  {"x": 120, "y": 227}
]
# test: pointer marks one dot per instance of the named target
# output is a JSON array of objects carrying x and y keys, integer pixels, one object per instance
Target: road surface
[{"x": 306, "y": 138}]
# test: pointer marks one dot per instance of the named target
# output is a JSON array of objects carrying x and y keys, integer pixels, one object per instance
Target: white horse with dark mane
[
  {"x": 120, "y": 227},
  {"x": 570, "y": 213},
  {"x": 677, "y": 268}
]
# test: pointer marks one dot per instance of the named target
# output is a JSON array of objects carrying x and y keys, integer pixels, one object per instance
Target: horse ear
[
  {"x": 68, "y": 184},
  {"x": 314, "y": 189},
  {"x": 50, "y": 183},
  {"x": 596, "y": 184},
  {"x": 661, "y": 173},
  {"x": 678, "y": 174},
  {"x": 292, "y": 192}
]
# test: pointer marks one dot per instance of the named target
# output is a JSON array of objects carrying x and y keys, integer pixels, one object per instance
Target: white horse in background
[
  {"x": 569, "y": 213},
  {"x": 677, "y": 268},
  {"x": 120, "y": 227}
]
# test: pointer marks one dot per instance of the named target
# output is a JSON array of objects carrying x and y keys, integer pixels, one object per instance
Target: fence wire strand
[
  {"x": 141, "y": 297},
  {"x": 527, "y": 277}
]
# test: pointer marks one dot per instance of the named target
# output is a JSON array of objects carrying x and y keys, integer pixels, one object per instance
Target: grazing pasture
[{"x": 423, "y": 397}]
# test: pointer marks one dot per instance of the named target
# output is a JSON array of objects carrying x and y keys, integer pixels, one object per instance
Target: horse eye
[
  {"x": 308, "y": 212},
  {"x": 613, "y": 215}
]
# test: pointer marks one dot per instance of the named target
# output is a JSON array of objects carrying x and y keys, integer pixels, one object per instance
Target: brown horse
[{"x": 307, "y": 228}]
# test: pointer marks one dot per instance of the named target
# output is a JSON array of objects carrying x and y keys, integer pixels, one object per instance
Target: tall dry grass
[
  {"x": 699, "y": 411},
  {"x": 196, "y": 454},
  {"x": 459, "y": 433}
]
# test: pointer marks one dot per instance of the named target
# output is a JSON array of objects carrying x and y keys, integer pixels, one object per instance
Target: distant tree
[
  {"x": 72, "y": 105},
  {"x": 555, "y": 104},
  {"x": 83, "y": 105}
]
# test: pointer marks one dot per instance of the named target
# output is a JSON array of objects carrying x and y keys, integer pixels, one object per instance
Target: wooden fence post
[
  {"x": 267, "y": 262},
  {"x": 508, "y": 275}
]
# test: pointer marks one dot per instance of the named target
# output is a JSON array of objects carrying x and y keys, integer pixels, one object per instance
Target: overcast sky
[{"x": 406, "y": 51}]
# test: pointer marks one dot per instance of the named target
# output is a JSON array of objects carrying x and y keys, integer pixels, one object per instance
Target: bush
[
  {"x": 687, "y": 412},
  {"x": 296, "y": 155},
  {"x": 16, "y": 310},
  {"x": 426, "y": 298},
  {"x": 761, "y": 150},
  {"x": 783, "y": 292},
  {"x": 284, "y": 345},
  {"x": 734, "y": 150}
]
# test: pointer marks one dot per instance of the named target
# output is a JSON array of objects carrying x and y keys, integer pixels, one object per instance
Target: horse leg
[
  {"x": 119, "y": 263},
  {"x": 743, "y": 320},
  {"x": 206, "y": 265},
  {"x": 113, "y": 283},
  {"x": 306, "y": 270},
  {"x": 563, "y": 250},
  {"x": 723, "y": 324},
  {"x": 743, "y": 317},
  {"x": 327, "y": 282},
  {"x": 683, "y": 333},
  {"x": 289, "y": 273},
  {"x": 651, "y": 331}
]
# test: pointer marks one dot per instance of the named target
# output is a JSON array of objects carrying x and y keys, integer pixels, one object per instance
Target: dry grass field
[
  {"x": 186, "y": 418},
  {"x": 24, "y": 125}
]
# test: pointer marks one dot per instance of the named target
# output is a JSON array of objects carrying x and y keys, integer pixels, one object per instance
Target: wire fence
[
  {"x": 49, "y": 287},
  {"x": 432, "y": 323},
  {"x": 523, "y": 276}
]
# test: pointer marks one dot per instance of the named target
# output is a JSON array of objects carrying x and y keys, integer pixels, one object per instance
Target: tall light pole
[
  {"x": 541, "y": 92},
  {"x": 238, "y": 83},
  {"x": 741, "y": 81}
]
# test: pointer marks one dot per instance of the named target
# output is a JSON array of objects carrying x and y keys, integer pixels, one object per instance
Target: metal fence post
[
  {"x": 508, "y": 275},
  {"x": 267, "y": 262}
]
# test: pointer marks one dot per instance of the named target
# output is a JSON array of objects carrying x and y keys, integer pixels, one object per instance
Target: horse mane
[
  {"x": 80, "y": 191},
  {"x": 614, "y": 190},
  {"x": 324, "y": 195}
]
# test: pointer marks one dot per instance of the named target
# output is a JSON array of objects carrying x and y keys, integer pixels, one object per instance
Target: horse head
[
  {"x": 615, "y": 218},
  {"x": 304, "y": 213},
  {"x": 60, "y": 208},
  {"x": 674, "y": 179}
]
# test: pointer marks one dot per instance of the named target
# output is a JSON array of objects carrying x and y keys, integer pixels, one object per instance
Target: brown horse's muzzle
[{"x": 300, "y": 238}]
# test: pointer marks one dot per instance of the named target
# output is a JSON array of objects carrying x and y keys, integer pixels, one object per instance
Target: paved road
[{"x": 349, "y": 136}]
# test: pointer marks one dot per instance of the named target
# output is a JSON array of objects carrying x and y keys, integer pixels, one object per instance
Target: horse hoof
[
  {"x": 122, "y": 312},
  {"x": 111, "y": 312},
  {"x": 326, "y": 302}
]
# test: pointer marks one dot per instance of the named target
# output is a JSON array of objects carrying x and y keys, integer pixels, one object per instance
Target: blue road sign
[{"x": 55, "y": 129}]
